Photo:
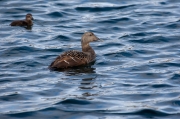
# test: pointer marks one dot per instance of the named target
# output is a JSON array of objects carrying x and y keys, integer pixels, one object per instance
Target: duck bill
[{"x": 98, "y": 39}]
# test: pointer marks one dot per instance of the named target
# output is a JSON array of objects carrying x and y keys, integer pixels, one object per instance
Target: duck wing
[
  {"x": 19, "y": 23},
  {"x": 70, "y": 59}
]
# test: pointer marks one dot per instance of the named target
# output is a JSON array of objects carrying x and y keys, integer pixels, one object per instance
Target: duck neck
[
  {"x": 87, "y": 48},
  {"x": 29, "y": 22}
]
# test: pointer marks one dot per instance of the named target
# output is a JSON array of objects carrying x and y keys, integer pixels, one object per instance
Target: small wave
[
  {"x": 74, "y": 101},
  {"x": 100, "y": 9},
  {"x": 155, "y": 39},
  {"x": 62, "y": 38},
  {"x": 11, "y": 97},
  {"x": 150, "y": 113},
  {"x": 55, "y": 14},
  {"x": 116, "y": 20}
]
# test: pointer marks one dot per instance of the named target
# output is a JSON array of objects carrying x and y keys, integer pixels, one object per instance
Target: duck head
[
  {"x": 88, "y": 37},
  {"x": 29, "y": 16}
]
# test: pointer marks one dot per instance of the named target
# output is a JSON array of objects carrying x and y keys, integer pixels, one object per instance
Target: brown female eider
[
  {"x": 26, "y": 22},
  {"x": 74, "y": 58}
]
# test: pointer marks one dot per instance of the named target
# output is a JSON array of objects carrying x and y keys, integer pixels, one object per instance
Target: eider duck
[
  {"x": 26, "y": 22},
  {"x": 74, "y": 58}
]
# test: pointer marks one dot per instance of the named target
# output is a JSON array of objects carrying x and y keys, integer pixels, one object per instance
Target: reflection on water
[
  {"x": 87, "y": 83},
  {"x": 29, "y": 27}
]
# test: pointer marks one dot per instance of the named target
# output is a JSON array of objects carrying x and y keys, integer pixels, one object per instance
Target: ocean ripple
[{"x": 136, "y": 73}]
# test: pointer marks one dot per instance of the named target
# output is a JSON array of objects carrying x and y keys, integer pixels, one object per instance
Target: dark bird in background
[
  {"x": 74, "y": 58},
  {"x": 27, "y": 22}
]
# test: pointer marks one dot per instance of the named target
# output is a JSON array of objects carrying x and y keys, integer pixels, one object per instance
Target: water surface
[{"x": 135, "y": 76}]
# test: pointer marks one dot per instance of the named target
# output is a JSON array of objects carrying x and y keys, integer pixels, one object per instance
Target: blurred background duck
[{"x": 27, "y": 22}]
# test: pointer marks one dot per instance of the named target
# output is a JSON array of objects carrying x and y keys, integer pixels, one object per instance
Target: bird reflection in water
[
  {"x": 87, "y": 83},
  {"x": 28, "y": 27}
]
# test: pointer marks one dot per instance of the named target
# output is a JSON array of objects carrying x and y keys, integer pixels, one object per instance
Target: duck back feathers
[
  {"x": 70, "y": 59},
  {"x": 19, "y": 23}
]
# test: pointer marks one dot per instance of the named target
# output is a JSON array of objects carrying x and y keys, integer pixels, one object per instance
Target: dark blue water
[{"x": 137, "y": 70}]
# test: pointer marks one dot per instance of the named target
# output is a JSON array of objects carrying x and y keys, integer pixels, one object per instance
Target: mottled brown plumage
[
  {"x": 26, "y": 22},
  {"x": 77, "y": 58}
]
